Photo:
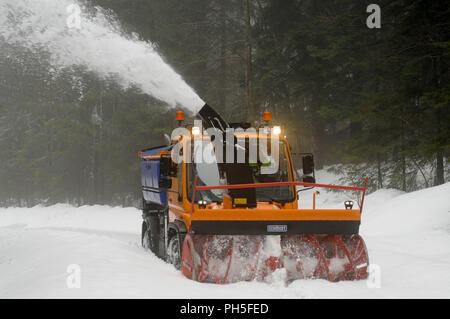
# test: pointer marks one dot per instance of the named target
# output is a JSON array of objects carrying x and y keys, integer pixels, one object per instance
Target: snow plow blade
[{"x": 224, "y": 259}]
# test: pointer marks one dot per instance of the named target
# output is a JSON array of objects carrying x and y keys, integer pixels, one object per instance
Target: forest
[{"x": 366, "y": 101}]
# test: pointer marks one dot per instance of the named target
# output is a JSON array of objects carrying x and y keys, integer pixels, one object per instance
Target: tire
[
  {"x": 174, "y": 251},
  {"x": 144, "y": 238},
  {"x": 150, "y": 234},
  {"x": 153, "y": 232}
]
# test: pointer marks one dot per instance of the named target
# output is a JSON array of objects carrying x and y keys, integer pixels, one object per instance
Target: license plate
[{"x": 276, "y": 228}]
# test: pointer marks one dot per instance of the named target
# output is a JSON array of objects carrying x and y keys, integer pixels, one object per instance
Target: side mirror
[
  {"x": 165, "y": 183},
  {"x": 167, "y": 167},
  {"x": 308, "y": 164}
]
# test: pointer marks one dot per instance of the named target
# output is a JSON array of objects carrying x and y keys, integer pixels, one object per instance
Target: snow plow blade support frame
[{"x": 256, "y": 185}]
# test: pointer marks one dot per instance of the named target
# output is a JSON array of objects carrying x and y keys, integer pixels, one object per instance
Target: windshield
[{"x": 265, "y": 169}]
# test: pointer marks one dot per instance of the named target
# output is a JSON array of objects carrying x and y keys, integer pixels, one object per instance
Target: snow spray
[{"x": 74, "y": 34}]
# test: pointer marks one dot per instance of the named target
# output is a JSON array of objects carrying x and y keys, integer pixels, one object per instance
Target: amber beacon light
[
  {"x": 179, "y": 116},
  {"x": 267, "y": 116}
]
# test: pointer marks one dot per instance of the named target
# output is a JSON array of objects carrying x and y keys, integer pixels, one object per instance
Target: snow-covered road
[{"x": 407, "y": 235}]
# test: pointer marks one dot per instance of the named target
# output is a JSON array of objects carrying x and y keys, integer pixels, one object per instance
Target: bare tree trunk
[
  {"x": 403, "y": 158},
  {"x": 249, "y": 73},
  {"x": 380, "y": 175},
  {"x": 439, "y": 180},
  {"x": 223, "y": 57},
  {"x": 439, "y": 167},
  {"x": 317, "y": 130}
]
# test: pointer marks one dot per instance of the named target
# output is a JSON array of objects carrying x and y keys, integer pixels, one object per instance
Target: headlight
[
  {"x": 348, "y": 204},
  {"x": 276, "y": 130},
  {"x": 195, "y": 130}
]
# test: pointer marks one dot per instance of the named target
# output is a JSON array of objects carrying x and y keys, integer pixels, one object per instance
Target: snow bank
[
  {"x": 418, "y": 212},
  {"x": 100, "y": 218}
]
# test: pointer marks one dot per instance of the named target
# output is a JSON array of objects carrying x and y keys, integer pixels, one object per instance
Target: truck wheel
[
  {"x": 174, "y": 251},
  {"x": 150, "y": 234},
  {"x": 144, "y": 236}
]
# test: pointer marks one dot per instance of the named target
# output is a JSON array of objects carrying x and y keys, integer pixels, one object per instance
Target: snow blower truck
[{"x": 226, "y": 221}]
